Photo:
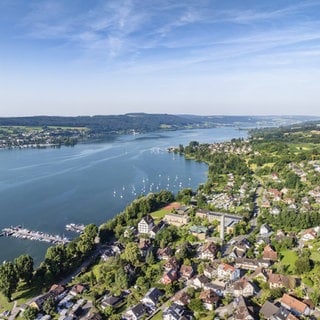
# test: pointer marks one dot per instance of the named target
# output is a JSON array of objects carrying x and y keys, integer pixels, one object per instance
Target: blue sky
[{"x": 76, "y": 57}]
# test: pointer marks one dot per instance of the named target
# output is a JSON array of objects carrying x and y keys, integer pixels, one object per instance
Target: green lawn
[
  {"x": 4, "y": 304},
  {"x": 289, "y": 257},
  {"x": 300, "y": 146},
  {"x": 158, "y": 215},
  {"x": 23, "y": 294},
  {"x": 157, "y": 316},
  {"x": 315, "y": 255}
]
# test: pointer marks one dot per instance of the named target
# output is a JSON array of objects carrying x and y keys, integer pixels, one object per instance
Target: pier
[
  {"x": 79, "y": 228},
  {"x": 23, "y": 233}
]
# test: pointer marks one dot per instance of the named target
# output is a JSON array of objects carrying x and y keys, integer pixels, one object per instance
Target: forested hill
[
  {"x": 147, "y": 122},
  {"x": 108, "y": 123},
  {"x": 301, "y": 132}
]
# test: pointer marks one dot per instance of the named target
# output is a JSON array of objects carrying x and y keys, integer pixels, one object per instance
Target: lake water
[{"x": 44, "y": 189}]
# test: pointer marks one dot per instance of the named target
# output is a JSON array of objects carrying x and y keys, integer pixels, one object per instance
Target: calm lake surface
[{"x": 46, "y": 189}]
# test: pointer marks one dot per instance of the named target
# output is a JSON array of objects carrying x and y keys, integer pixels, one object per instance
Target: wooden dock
[{"x": 23, "y": 233}]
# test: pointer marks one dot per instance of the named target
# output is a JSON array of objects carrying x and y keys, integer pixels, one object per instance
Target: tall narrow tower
[{"x": 222, "y": 228}]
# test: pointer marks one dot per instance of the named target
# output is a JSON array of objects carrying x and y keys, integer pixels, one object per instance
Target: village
[
  {"x": 224, "y": 280},
  {"x": 20, "y": 137}
]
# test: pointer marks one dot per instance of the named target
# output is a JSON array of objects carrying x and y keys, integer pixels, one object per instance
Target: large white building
[{"x": 145, "y": 225}]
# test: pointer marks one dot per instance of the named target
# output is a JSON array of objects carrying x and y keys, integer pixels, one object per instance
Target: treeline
[
  {"x": 107, "y": 124},
  {"x": 142, "y": 122},
  {"x": 290, "y": 220},
  {"x": 307, "y": 132}
]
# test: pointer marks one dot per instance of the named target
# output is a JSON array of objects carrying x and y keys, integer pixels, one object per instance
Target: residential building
[
  {"x": 165, "y": 253},
  {"x": 208, "y": 251},
  {"x": 228, "y": 272},
  {"x": 260, "y": 274},
  {"x": 135, "y": 313},
  {"x": 152, "y": 297},
  {"x": 283, "y": 314},
  {"x": 294, "y": 305},
  {"x": 268, "y": 310},
  {"x": 244, "y": 287},
  {"x": 200, "y": 281},
  {"x": 182, "y": 298},
  {"x": 172, "y": 263},
  {"x": 309, "y": 234},
  {"x": 169, "y": 276},
  {"x": 177, "y": 220},
  {"x": 111, "y": 301},
  {"x": 55, "y": 291},
  {"x": 145, "y": 247},
  {"x": 210, "y": 299},
  {"x": 269, "y": 253},
  {"x": 186, "y": 272},
  {"x": 156, "y": 229},
  {"x": 145, "y": 225},
  {"x": 199, "y": 231},
  {"x": 281, "y": 281},
  {"x": 77, "y": 289},
  {"x": 211, "y": 270},
  {"x": 176, "y": 312},
  {"x": 265, "y": 230},
  {"x": 242, "y": 310},
  {"x": 251, "y": 264}
]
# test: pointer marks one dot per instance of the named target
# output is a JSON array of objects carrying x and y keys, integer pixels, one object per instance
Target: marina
[{"x": 23, "y": 233}]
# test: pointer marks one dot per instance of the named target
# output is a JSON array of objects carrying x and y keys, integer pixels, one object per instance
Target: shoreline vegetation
[
  {"x": 270, "y": 180},
  {"x": 54, "y": 132}
]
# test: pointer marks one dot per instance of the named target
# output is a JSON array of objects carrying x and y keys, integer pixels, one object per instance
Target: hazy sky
[{"x": 75, "y": 57}]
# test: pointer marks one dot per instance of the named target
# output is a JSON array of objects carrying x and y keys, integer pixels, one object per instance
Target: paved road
[{"x": 14, "y": 312}]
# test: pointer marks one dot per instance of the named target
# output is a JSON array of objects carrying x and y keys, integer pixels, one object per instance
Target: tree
[
  {"x": 108, "y": 311},
  {"x": 8, "y": 279},
  {"x": 302, "y": 264},
  {"x": 196, "y": 305},
  {"x": 150, "y": 258},
  {"x": 166, "y": 235},
  {"x": 30, "y": 313},
  {"x": 227, "y": 299},
  {"x": 49, "y": 306},
  {"x": 315, "y": 296},
  {"x": 87, "y": 239},
  {"x": 56, "y": 259},
  {"x": 185, "y": 195},
  {"x": 120, "y": 281},
  {"x": 24, "y": 267},
  {"x": 292, "y": 181},
  {"x": 131, "y": 253}
]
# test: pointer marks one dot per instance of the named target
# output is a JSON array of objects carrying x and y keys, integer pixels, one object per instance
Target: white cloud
[{"x": 192, "y": 50}]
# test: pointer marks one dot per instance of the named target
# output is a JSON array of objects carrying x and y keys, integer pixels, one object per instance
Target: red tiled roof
[{"x": 293, "y": 303}]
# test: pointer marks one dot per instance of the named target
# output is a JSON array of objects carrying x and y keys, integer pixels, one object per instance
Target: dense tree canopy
[
  {"x": 8, "y": 279},
  {"x": 24, "y": 267}
]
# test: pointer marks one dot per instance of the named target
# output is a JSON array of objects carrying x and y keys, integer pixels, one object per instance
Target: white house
[
  {"x": 243, "y": 287},
  {"x": 145, "y": 225},
  {"x": 228, "y": 272},
  {"x": 152, "y": 297},
  {"x": 265, "y": 230}
]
